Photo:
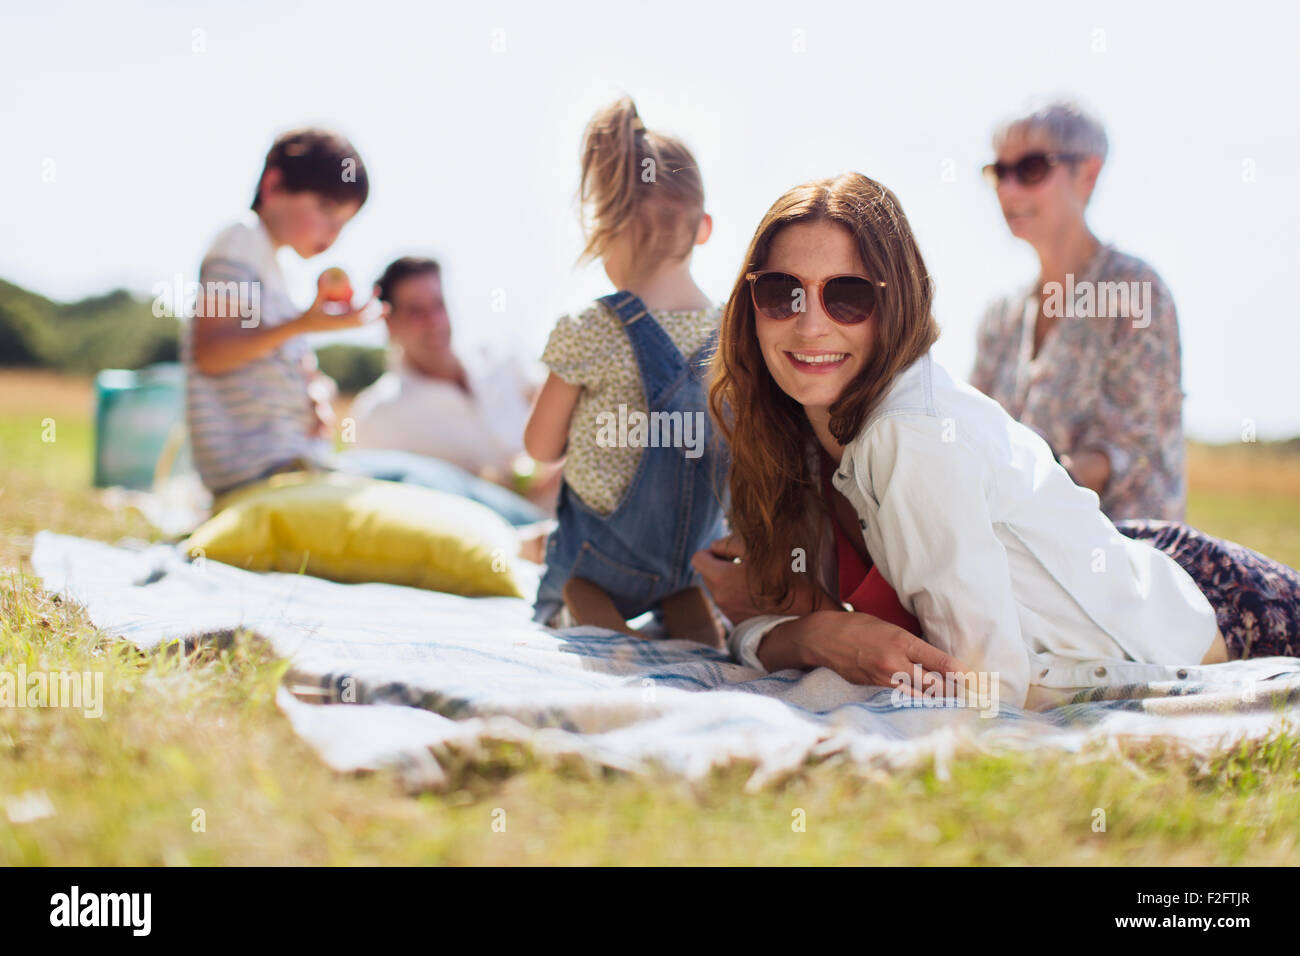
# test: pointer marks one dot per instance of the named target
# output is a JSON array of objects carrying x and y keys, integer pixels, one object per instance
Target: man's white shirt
[{"x": 409, "y": 411}]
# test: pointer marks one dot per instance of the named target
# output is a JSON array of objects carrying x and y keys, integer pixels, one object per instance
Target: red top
[{"x": 862, "y": 586}]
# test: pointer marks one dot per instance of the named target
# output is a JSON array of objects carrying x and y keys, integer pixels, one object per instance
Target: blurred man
[{"x": 466, "y": 409}]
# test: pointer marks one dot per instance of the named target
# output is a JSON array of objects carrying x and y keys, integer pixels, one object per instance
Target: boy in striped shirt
[{"x": 256, "y": 403}]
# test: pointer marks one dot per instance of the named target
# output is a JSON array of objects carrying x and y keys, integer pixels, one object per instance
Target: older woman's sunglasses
[
  {"x": 847, "y": 299},
  {"x": 1029, "y": 170}
]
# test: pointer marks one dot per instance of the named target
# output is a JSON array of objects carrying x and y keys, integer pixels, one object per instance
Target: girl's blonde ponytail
[{"x": 639, "y": 179}]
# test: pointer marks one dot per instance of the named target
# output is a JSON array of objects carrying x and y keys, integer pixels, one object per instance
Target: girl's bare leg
[
  {"x": 689, "y": 616},
  {"x": 590, "y": 606}
]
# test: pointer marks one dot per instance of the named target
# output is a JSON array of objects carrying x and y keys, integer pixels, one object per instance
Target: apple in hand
[{"x": 335, "y": 286}]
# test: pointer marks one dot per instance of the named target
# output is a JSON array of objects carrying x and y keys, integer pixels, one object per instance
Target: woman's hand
[
  {"x": 720, "y": 567},
  {"x": 725, "y": 574},
  {"x": 861, "y": 648}
]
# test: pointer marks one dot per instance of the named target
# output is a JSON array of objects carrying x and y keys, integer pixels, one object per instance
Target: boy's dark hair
[
  {"x": 319, "y": 161},
  {"x": 404, "y": 268}
]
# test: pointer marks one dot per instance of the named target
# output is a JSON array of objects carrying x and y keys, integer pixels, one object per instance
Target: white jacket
[{"x": 1008, "y": 564}]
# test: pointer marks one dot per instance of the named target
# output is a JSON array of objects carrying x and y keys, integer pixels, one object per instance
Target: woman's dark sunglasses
[
  {"x": 848, "y": 299},
  {"x": 1029, "y": 170}
]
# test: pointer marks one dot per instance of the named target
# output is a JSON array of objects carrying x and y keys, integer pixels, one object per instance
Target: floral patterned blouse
[{"x": 1107, "y": 377}]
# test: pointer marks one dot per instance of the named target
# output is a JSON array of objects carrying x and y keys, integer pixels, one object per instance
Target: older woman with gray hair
[{"x": 1088, "y": 354}]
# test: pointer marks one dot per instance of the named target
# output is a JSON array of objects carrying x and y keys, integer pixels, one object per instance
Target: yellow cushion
[{"x": 350, "y": 528}]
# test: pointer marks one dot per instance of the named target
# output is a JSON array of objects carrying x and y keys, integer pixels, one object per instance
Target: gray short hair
[{"x": 1071, "y": 128}]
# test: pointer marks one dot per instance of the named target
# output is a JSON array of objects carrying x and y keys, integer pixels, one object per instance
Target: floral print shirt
[
  {"x": 1107, "y": 377},
  {"x": 591, "y": 349}
]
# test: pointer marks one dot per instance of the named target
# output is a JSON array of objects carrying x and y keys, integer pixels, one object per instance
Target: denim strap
[{"x": 660, "y": 361}]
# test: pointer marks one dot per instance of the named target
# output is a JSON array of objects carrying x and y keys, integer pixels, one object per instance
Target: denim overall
[{"x": 674, "y": 506}]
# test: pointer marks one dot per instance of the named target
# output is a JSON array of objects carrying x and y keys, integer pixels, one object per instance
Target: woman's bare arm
[{"x": 1088, "y": 468}]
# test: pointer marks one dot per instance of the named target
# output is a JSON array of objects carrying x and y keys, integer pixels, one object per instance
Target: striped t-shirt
[{"x": 249, "y": 421}]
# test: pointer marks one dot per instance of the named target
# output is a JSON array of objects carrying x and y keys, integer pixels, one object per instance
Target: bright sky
[{"x": 473, "y": 151}]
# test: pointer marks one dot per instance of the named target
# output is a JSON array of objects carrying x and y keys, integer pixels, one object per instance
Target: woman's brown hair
[
  {"x": 637, "y": 178},
  {"x": 773, "y": 489}
]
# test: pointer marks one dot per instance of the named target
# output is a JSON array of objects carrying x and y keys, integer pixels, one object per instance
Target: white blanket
[{"x": 411, "y": 675}]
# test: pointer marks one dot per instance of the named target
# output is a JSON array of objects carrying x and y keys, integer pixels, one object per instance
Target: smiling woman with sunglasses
[
  {"x": 1098, "y": 377},
  {"x": 863, "y": 476}
]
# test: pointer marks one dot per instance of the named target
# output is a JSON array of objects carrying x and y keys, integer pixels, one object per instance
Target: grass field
[{"x": 183, "y": 734}]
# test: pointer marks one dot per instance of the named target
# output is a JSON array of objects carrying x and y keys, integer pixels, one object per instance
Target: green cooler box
[{"x": 140, "y": 425}]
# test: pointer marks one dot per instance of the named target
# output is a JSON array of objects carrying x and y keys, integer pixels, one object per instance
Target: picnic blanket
[{"x": 388, "y": 676}]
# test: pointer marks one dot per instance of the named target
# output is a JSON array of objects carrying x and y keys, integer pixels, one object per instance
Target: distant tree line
[{"x": 119, "y": 330}]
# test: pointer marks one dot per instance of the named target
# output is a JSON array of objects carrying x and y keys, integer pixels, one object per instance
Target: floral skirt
[{"x": 1256, "y": 599}]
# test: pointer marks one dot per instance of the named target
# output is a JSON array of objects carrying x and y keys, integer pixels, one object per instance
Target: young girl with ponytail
[{"x": 625, "y": 402}]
